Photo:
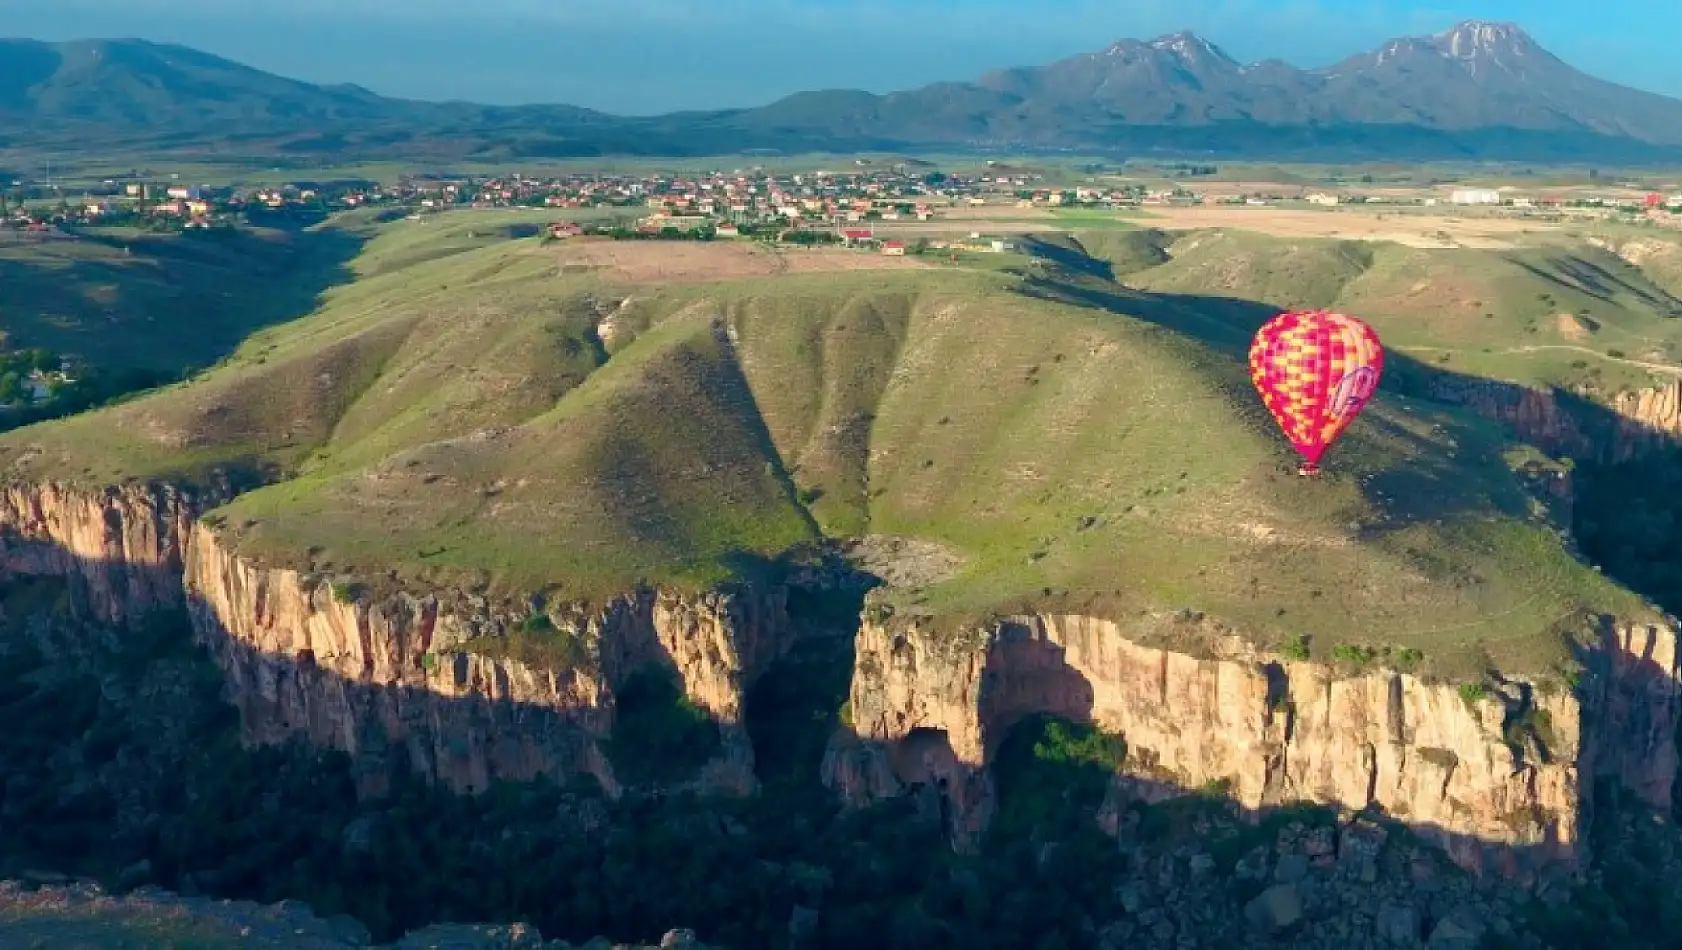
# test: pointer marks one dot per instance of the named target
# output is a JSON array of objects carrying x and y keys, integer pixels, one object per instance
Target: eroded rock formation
[
  {"x": 1567, "y": 424},
  {"x": 121, "y": 548},
  {"x": 386, "y": 679},
  {"x": 374, "y": 676},
  {"x": 1274, "y": 732}
]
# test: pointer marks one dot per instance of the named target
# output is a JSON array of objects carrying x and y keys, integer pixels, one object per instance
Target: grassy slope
[
  {"x": 122, "y": 299},
  {"x": 1558, "y": 314},
  {"x": 456, "y": 420}
]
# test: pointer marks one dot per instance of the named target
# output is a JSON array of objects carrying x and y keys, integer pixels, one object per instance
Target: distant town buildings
[
  {"x": 859, "y": 206},
  {"x": 1475, "y": 196}
]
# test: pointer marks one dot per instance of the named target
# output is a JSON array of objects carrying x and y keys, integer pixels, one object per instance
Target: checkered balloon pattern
[{"x": 1315, "y": 371}]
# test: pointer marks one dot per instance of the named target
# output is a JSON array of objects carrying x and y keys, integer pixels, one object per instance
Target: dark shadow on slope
[
  {"x": 168, "y": 307},
  {"x": 1627, "y": 517},
  {"x": 1586, "y": 277},
  {"x": 1557, "y": 421},
  {"x": 793, "y": 709},
  {"x": 1429, "y": 488},
  {"x": 1066, "y": 252}
]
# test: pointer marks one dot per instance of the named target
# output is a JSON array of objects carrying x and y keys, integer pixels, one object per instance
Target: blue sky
[{"x": 645, "y": 56}]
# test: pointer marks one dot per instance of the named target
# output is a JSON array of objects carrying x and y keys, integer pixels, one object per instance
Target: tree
[
  {"x": 11, "y": 387},
  {"x": 45, "y": 361}
]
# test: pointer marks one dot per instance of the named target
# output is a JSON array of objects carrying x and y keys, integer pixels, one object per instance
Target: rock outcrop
[
  {"x": 1500, "y": 781},
  {"x": 1569, "y": 424},
  {"x": 387, "y": 679},
  {"x": 121, "y": 548},
  {"x": 413, "y": 680}
]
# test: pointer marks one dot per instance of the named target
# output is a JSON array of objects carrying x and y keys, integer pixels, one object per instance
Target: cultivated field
[
  {"x": 1412, "y": 230},
  {"x": 684, "y": 261}
]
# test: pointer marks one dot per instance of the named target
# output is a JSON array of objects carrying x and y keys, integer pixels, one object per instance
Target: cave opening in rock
[
  {"x": 1028, "y": 675},
  {"x": 793, "y": 709},
  {"x": 659, "y": 734},
  {"x": 1052, "y": 773}
]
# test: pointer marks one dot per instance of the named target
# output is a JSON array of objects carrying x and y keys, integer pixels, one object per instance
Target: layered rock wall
[
  {"x": 121, "y": 548},
  {"x": 386, "y": 679},
  {"x": 376, "y": 676},
  {"x": 1567, "y": 424},
  {"x": 1274, "y": 732}
]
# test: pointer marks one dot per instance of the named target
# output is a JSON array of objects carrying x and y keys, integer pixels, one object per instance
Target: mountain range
[{"x": 1478, "y": 90}]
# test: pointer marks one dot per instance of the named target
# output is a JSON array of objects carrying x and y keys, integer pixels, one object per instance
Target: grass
[
  {"x": 1553, "y": 314},
  {"x": 123, "y": 927},
  {"x": 1099, "y": 218},
  {"x": 123, "y": 299},
  {"x": 537, "y": 643},
  {"x": 455, "y": 416}
]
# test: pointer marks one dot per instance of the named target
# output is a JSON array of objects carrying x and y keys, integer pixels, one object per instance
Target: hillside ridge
[{"x": 1478, "y": 87}]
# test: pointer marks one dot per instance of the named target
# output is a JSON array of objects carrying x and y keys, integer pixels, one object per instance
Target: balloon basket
[{"x": 1308, "y": 470}]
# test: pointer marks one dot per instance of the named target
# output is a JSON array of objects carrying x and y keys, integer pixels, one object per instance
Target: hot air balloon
[{"x": 1315, "y": 371}]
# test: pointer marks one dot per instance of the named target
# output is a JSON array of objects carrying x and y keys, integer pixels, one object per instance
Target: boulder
[{"x": 1276, "y": 909}]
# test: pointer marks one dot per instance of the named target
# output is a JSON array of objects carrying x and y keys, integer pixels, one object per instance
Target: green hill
[
  {"x": 461, "y": 421},
  {"x": 130, "y": 309},
  {"x": 1565, "y": 312}
]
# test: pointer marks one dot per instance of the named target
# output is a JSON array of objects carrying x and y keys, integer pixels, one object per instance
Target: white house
[{"x": 1476, "y": 196}]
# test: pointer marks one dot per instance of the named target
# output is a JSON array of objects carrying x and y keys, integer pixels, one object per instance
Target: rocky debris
[
  {"x": 1460, "y": 930},
  {"x": 903, "y": 562},
  {"x": 1397, "y": 925},
  {"x": 1276, "y": 909},
  {"x": 73, "y": 914},
  {"x": 1328, "y": 882}
]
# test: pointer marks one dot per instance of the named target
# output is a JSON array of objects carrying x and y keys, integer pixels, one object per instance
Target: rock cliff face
[
  {"x": 932, "y": 709},
  {"x": 386, "y": 680},
  {"x": 1629, "y": 424},
  {"x": 121, "y": 548}
]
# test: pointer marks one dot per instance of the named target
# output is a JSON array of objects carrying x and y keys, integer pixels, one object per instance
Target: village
[{"x": 878, "y": 205}]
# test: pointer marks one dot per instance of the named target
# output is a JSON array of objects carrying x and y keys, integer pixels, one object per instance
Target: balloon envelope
[{"x": 1315, "y": 371}]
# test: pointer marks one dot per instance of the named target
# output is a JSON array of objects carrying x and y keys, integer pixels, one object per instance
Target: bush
[
  {"x": 1296, "y": 648},
  {"x": 1473, "y": 693},
  {"x": 346, "y": 592},
  {"x": 1353, "y": 654},
  {"x": 659, "y": 735},
  {"x": 1407, "y": 659}
]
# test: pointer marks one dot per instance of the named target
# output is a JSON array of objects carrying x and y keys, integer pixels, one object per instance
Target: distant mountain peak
[
  {"x": 1189, "y": 46},
  {"x": 1471, "y": 39}
]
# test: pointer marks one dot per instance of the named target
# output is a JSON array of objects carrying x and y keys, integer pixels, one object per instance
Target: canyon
[
  {"x": 394, "y": 680},
  {"x": 1269, "y": 731},
  {"x": 1503, "y": 778}
]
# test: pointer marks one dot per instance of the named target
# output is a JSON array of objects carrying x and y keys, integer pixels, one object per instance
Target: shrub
[
  {"x": 1296, "y": 648},
  {"x": 1354, "y": 655},
  {"x": 1473, "y": 693}
]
